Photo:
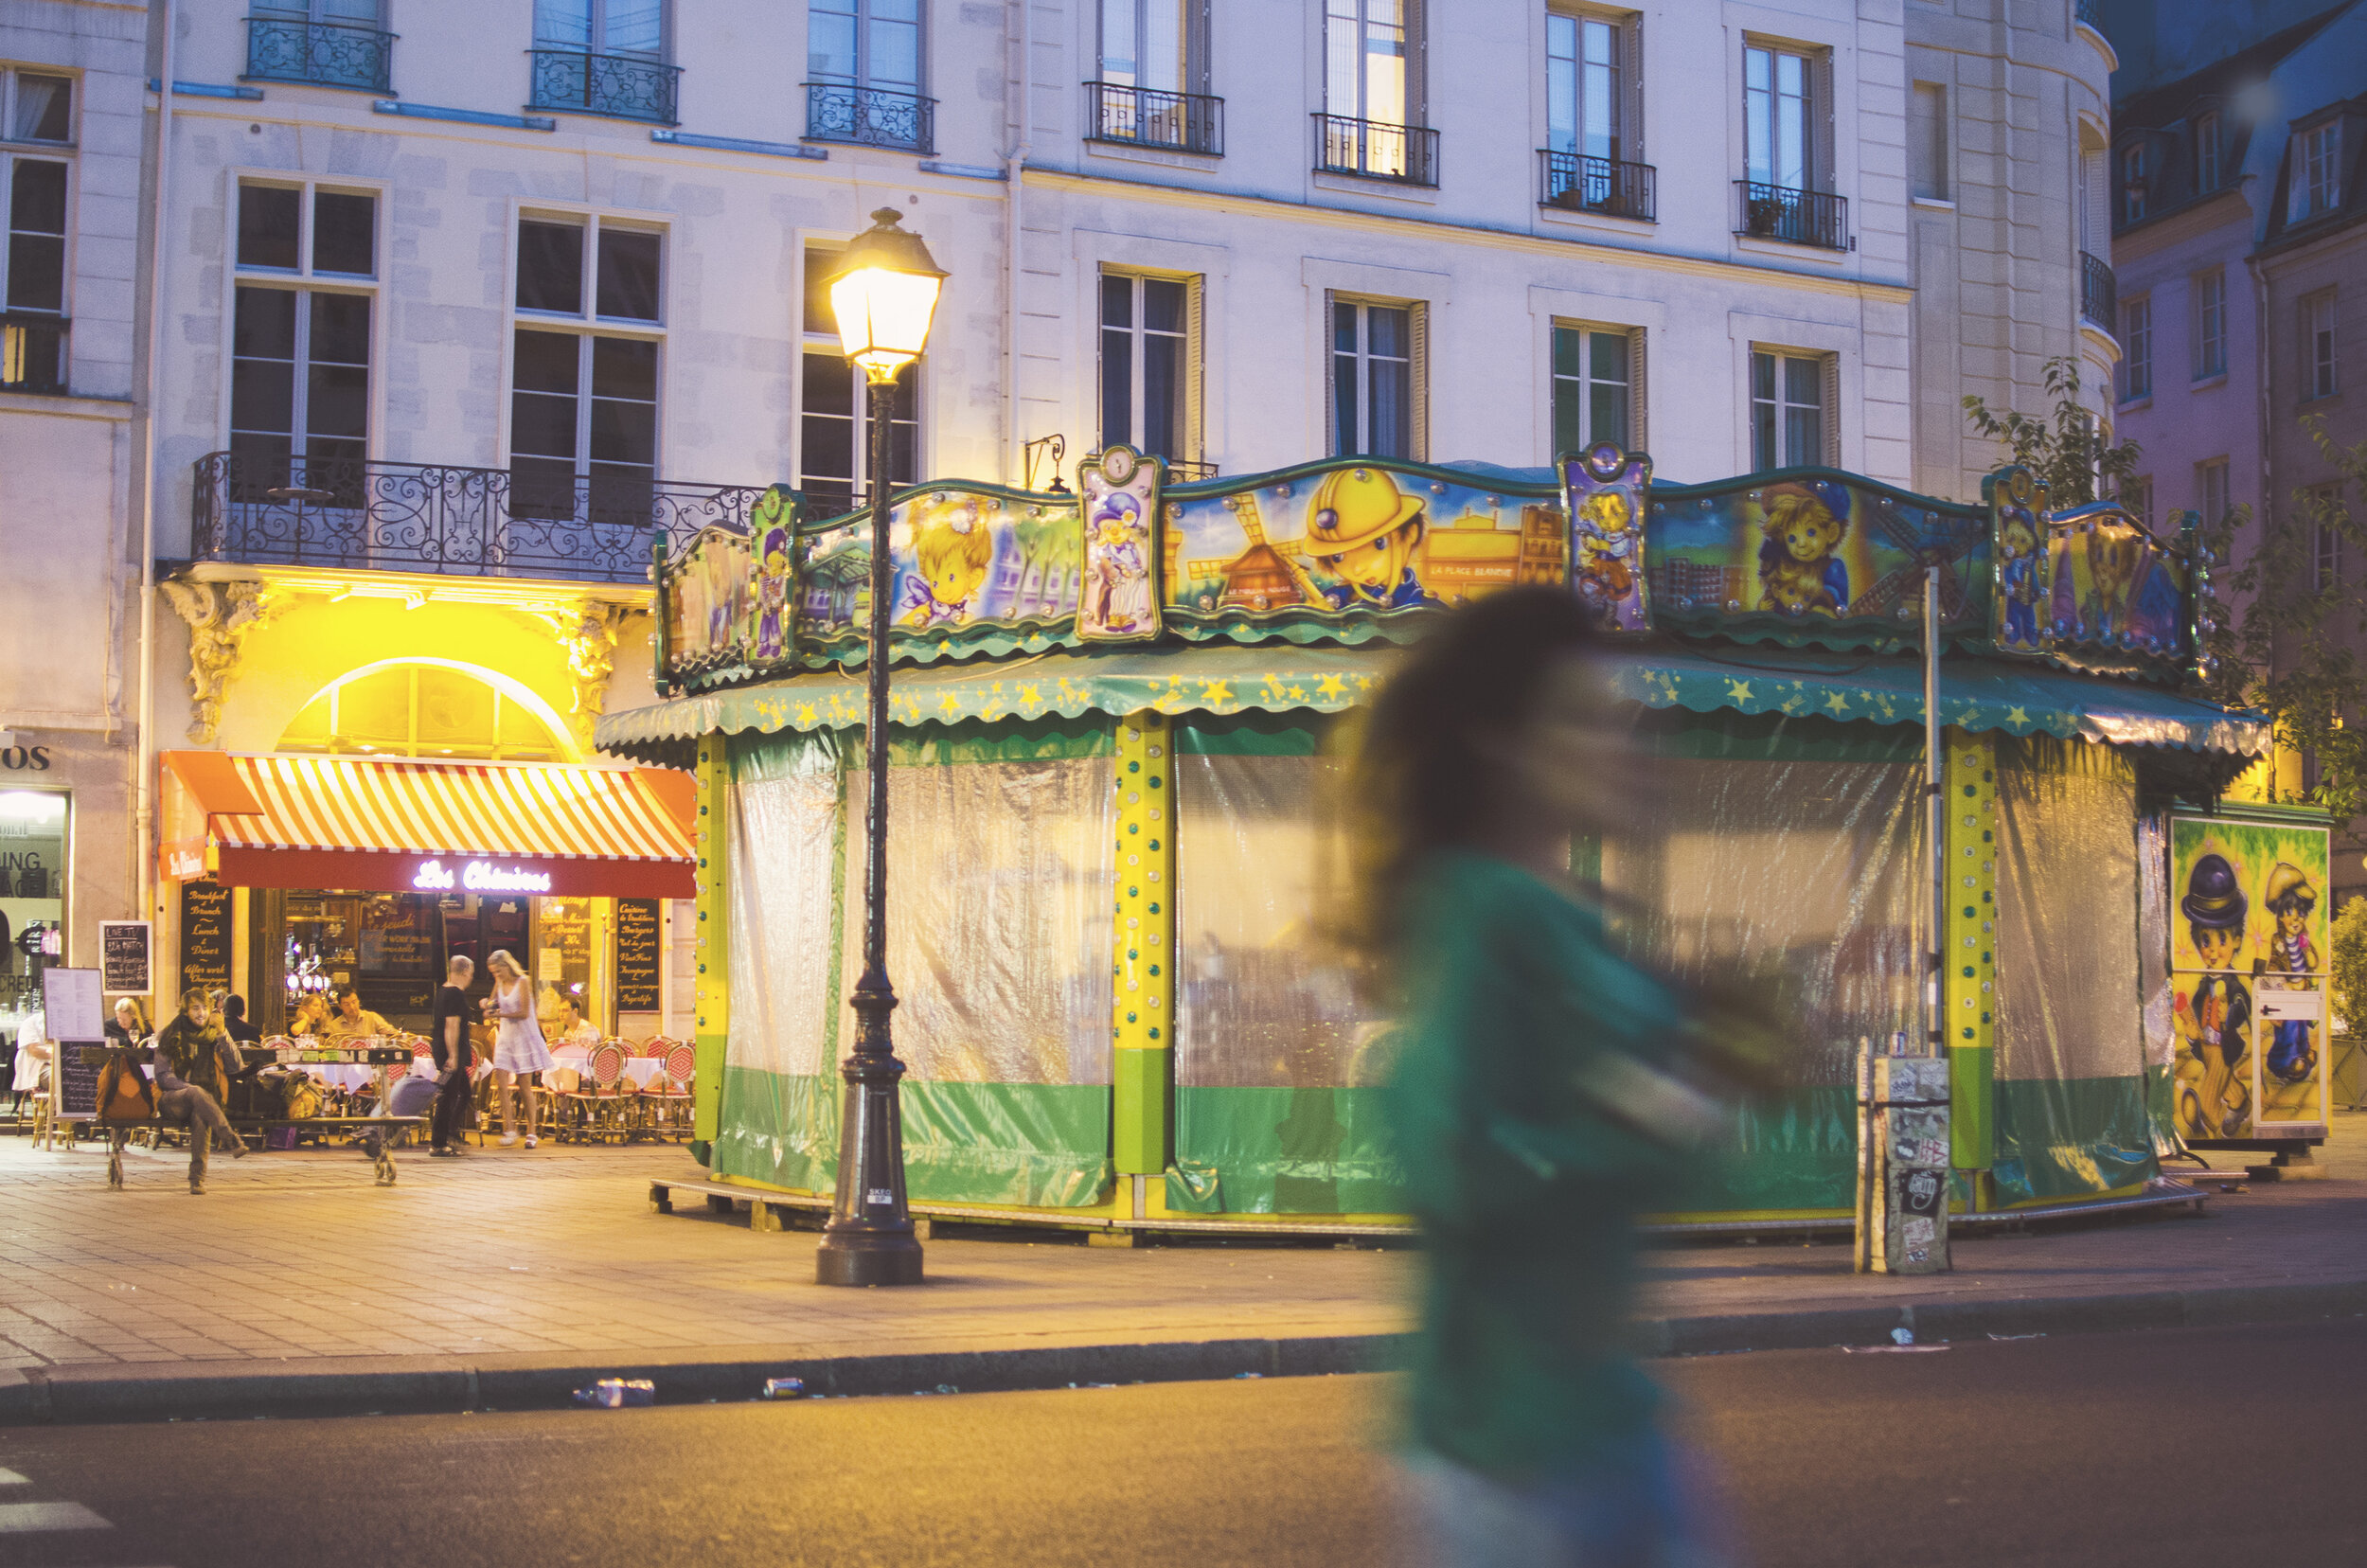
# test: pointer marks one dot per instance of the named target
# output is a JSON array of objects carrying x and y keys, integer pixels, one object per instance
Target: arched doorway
[{"x": 435, "y": 709}]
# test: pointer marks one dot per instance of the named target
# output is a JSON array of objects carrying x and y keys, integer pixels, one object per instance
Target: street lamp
[{"x": 884, "y": 293}]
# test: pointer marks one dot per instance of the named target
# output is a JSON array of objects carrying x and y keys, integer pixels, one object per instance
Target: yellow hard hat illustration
[
  {"x": 2288, "y": 878},
  {"x": 1354, "y": 506}
]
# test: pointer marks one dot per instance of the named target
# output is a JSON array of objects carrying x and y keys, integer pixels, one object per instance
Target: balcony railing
[
  {"x": 446, "y": 522},
  {"x": 1796, "y": 217},
  {"x": 2098, "y": 297},
  {"x": 1143, "y": 117},
  {"x": 625, "y": 87},
  {"x": 1376, "y": 150},
  {"x": 870, "y": 116},
  {"x": 327, "y": 54},
  {"x": 1575, "y": 183},
  {"x": 32, "y": 352}
]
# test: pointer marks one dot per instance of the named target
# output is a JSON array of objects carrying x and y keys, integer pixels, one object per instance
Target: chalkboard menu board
[
  {"x": 123, "y": 953},
  {"x": 205, "y": 936},
  {"x": 637, "y": 956},
  {"x": 77, "y": 1076}
]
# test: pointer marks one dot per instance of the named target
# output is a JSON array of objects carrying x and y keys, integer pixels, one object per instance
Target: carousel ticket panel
[{"x": 2249, "y": 938}]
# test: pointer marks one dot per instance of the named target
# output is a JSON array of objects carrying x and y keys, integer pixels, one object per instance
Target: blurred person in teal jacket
[{"x": 1547, "y": 1090}]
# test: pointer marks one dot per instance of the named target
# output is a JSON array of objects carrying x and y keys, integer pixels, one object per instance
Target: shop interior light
[
  {"x": 31, "y": 805},
  {"x": 885, "y": 294}
]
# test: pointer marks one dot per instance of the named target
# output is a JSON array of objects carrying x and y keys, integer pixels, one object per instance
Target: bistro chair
[
  {"x": 598, "y": 1113},
  {"x": 675, "y": 1100}
]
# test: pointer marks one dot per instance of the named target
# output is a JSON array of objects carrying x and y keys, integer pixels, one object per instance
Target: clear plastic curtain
[
  {"x": 999, "y": 878},
  {"x": 1264, "y": 1002},
  {"x": 2153, "y": 976}
]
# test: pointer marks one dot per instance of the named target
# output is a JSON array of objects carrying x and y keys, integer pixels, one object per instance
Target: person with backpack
[{"x": 195, "y": 1063}]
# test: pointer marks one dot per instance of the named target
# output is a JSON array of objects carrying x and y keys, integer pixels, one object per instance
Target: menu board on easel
[
  {"x": 205, "y": 936},
  {"x": 637, "y": 956},
  {"x": 72, "y": 1017}
]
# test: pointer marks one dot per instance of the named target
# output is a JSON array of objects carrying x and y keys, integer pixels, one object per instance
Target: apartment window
[
  {"x": 2317, "y": 185},
  {"x": 1595, "y": 386},
  {"x": 2137, "y": 498},
  {"x": 34, "y": 107},
  {"x": 301, "y": 339},
  {"x": 2132, "y": 183},
  {"x": 583, "y": 400},
  {"x": 1367, "y": 60},
  {"x": 602, "y": 26},
  {"x": 864, "y": 43},
  {"x": 833, "y": 466},
  {"x": 1377, "y": 378},
  {"x": 1927, "y": 141},
  {"x": 2210, "y": 290},
  {"x": 1781, "y": 118},
  {"x": 2318, "y": 370},
  {"x": 327, "y": 42},
  {"x": 2206, "y": 153},
  {"x": 604, "y": 56},
  {"x": 1790, "y": 422},
  {"x": 1146, "y": 365},
  {"x": 2137, "y": 348},
  {"x": 1583, "y": 85},
  {"x": 1158, "y": 45},
  {"x": 2211, "y": 485},
  {"x": 2329, "y": 541}
]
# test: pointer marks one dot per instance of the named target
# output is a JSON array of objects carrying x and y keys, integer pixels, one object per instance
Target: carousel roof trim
[{"x": 1975, "y": 694}]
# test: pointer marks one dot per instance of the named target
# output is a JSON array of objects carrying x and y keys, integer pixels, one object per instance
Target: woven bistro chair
[
  {"x": 675, "y": 1101},
  {"x": 596, "y": 1111}
]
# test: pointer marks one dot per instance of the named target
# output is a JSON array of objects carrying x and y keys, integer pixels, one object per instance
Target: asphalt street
[{"x": 2202, "y": 1447}]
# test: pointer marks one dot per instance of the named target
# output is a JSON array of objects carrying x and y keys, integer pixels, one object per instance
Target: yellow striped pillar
[
  {"x": 1142, "y": 1021},
  {"x": 713, "y": 942},
  {"x": 1968, "y": 975}
]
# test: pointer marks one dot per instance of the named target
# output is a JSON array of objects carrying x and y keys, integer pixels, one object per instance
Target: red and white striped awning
[{"x": 394, "y": 824}]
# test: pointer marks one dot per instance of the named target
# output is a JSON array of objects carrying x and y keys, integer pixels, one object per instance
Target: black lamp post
[{"x": 884, "y": 293}]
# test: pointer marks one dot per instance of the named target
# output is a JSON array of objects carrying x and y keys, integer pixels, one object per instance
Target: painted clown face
[{"x": 1373, "y": 571}]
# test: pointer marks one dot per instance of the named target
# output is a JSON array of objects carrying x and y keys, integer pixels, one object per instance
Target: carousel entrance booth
[
  {"x": 372, "y": 871},
  {"x": 1115, "y": 768}
]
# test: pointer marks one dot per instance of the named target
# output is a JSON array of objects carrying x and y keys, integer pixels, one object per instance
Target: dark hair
[
  {"x": 1423, "y": 779},
  {"x": 234, "y": 1006}
]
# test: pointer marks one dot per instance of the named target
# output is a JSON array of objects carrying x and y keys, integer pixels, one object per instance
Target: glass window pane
[
  {"x": 893, "y": 56},
  {"x": 1763, "y": 435},
  {"x": 37, "y": 272},
  {"x": 1346, "y": 434},
  {"x": 1117, "y": 43},
  {"x": 820, "y": 318},
  {"x": 456, "y": 714},
  {"x": 1569, "y": 350},
  {"x": 264, "y": 323},
  {"x": 624, "y": 367},
  {"x": 341, "y": 328},
  {"x": 262, "y": 396},
  {"x": 827, "y": 436},
  {"x": 1117, "y": 385},
  {"x": 550, "y": 266},
  {"x": 635, "y": 26},
  {"x": 37, "y": 197},
  {"x": 267, "y": 225},
  {"x": 1607, "y": 419},
  {"x": 1390, "y": 332},
  {"x": 1393, "y": 409},
  {"x": 830, "y": 40},
  {"x": 1117, "y": 300},
  {"x": 1804, "y": 380},
  {"x": 829, "y": 388},
  {"x": 374, "y": 713},
  {"x": 547, "y": 362},
  {"x": 543, "y": 425},
  {"x": 345, "y": 233},
  {"x": 628, "y": 282},
  {"x": 337, "y": 404},
  {"x": 1163, "y": 305},
  {"x": 563, "y": 23},
  {"x": 1804, "y": 437},
  {"x": 44, "y": 108},
  {"x": 624, "y": 433},
  {"x": 1163, "y": 395},
  {"x": 1569, "y": 415},
  {"x": 1607, "y": 356},
  {"x": 1343, "y": 329}
]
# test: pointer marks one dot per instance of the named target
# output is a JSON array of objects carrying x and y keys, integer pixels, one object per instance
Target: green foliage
[
  {"x": 2066, "y": 452},
  {"x": 2288, "y": 649},
  {"x": 2347, "y": 971}
]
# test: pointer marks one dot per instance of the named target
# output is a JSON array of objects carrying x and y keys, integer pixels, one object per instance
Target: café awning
[{"x": 396, "y": 824}]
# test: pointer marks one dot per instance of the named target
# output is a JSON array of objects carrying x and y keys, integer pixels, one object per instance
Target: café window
[
  {"x": 429, "y": 710},
  {"x": 33, "y": 839}
]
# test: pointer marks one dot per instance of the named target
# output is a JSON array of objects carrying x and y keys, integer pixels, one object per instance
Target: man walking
[{"x": 447, "y": 1037}]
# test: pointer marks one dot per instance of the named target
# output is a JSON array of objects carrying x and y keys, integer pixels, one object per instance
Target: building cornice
[{"x": 1509, "y": 240}]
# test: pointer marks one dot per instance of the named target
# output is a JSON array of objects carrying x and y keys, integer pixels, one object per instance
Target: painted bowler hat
[{"x": 2214, "y": 898}]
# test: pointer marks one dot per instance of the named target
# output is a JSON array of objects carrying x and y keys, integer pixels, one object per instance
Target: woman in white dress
[{"x": 518, "y": 1049}]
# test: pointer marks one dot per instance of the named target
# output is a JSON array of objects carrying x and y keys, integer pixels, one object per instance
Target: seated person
[
  {"x": 195, "y": 1063},
  {"x": 234, "y": 1022},
  {"x": 310, "y": 1017},
  {"x": 351, "y": 1020},
  {"x": 127, "y": 1028},
  {"x": 574, "y": 1029}
]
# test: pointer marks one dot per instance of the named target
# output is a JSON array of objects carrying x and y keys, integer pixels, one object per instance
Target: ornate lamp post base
[{"x": 869, "y": 1239}]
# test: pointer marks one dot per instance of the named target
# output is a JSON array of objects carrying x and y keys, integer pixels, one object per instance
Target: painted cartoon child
[
  {"x": 1607, "y": 551},
  {"x": 951, "y": 552},
  {"x": 773, "y": 595},
  {"x": 1119, "y": 596},
  {"x": 1801, "y": 527},
  {"x": 2017, "y": 543},
  {"x": 2215, "y": 1020},
  {"x": 2290, "y": 898},
  {"x": 1367, "y": 537},
  {"x": 2113, "y": 558}
]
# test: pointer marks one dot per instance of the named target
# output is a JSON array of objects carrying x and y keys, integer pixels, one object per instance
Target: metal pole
[
  {"x": 869, "y": 1238},
  {"x": 1935, "y": 812},
  {"x": 144, "y": 765}
]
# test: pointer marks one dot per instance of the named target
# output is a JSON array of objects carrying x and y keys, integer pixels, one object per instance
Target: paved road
[{"x": 2149, "y": 1451}]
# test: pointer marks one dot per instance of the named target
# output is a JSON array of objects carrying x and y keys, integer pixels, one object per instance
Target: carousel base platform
[{"x": 773, "y": 1210}]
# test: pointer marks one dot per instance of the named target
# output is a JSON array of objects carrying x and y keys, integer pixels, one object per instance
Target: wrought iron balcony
[
  {"x": 1576, "y": 182},
  {"x": 870, "y": 116},
  {"x": 2098, "y": 301},
  {"x": 1143, "y": 117},
  {"x": 446, "y": 522},
  {"x": 32, "y": 352},
  {"x": 325, "y": 54},
  {"x": 631, "y": 87},
  {"x": 1377, "y": 151},
  {"x": 1796, "y": 217}
]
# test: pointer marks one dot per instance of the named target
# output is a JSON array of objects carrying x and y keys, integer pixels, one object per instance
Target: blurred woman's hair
[{"x": 1434, "y": 754}]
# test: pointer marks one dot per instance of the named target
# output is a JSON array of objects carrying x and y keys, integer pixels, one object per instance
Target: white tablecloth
[{"x": 644, "y": 1071}]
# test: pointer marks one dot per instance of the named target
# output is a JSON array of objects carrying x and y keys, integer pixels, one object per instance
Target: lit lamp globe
[{"x": 885, "y": 294}]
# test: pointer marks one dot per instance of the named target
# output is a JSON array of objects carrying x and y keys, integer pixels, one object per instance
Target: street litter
[{"x": 618, "y": 1393}]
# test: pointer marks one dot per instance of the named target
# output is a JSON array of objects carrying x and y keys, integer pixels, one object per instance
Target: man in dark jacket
[{"x": 195, "y": 1063}]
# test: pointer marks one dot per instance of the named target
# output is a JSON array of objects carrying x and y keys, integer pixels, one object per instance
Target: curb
[{"x": 176, "y": 1391}]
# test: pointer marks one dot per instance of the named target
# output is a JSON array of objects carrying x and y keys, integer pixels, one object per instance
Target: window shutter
[
  {"x": 1821, "y": 176},
  {"x": 1331, "y": 379},
  {"x": 1631, "y": 112},
  {"x": 1420, "y": 379},
  {"x": 1638, "y": 438},
  {"x": 1832, "y": 411},
  {"x": 1416, "y": 63},
  {"x": 1195, "y": 353}
]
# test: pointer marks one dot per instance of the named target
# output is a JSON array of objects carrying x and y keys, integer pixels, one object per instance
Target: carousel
[{"x": 1113, "y": 778}]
